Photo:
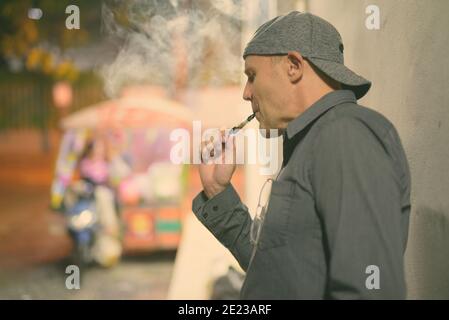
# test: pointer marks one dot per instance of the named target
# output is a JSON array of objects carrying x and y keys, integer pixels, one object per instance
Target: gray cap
[{"x": 315, "y": 39}]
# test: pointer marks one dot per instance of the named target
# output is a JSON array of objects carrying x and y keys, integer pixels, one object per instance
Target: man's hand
[{"x": 216, "y": 176}]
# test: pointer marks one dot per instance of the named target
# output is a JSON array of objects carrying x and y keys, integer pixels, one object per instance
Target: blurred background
[{"x": 90, "y": 92}]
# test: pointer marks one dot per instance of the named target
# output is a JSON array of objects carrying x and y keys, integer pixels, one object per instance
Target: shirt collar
[{"x": 318, "y": 108}]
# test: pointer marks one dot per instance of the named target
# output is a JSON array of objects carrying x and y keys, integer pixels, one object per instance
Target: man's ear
[{"x": 295, "y": 66}]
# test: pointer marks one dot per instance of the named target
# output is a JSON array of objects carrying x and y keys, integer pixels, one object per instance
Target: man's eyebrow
[{"x": 248, "y": 70}]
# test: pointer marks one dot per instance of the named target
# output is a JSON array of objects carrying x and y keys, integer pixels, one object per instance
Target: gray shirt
[{"x": 338, "y": 214}]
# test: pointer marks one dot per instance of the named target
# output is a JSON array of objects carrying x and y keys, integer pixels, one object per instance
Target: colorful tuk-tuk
[{"x": 150, "y": 191}]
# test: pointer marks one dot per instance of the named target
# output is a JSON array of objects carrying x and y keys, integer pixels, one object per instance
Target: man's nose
[{"x": 247, "y": 95}]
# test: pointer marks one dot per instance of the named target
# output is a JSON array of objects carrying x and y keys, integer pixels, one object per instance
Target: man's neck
[{"x": 313, "y": 96}]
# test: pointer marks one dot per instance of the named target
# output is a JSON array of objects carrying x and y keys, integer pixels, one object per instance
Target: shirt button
[
  {"x": 215, "y": 208},
  {"x": 205, "y": 215}
]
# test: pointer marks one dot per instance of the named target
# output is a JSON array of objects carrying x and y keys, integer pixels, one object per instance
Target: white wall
[{"x": 408, "y": 62}]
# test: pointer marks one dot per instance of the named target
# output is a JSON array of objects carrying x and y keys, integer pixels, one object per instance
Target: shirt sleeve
[
  {"x": 357, "y": 196},
  {"x": 228, "y": 219}
]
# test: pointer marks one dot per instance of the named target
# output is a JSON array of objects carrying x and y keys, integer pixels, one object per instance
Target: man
[{"x": 336, "y": 225}]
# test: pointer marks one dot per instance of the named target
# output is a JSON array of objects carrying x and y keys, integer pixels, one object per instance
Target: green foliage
[{"x": 39, "y": 45}]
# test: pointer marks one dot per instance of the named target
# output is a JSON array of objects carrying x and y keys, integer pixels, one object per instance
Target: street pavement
[{"x": 140, "y": 278}]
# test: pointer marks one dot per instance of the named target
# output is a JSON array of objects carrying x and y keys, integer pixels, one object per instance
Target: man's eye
[{"x": 251, "y": 78}]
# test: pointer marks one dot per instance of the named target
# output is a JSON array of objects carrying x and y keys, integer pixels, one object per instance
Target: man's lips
[{"x": 255, "y": 109}]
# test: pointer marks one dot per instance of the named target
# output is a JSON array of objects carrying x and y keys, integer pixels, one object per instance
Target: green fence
[{"x": 26, "y": 100}]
